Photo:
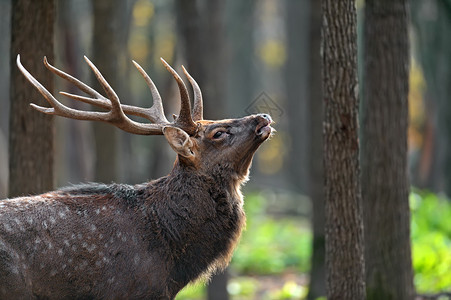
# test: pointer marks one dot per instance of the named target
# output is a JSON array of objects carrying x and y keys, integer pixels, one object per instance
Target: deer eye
[{"x": 218, "y": 134}]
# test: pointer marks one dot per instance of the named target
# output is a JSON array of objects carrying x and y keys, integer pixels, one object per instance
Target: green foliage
[
  {"x": 270, "y": 246},
  {"x": 192, "y": 292},
  {"x": 431, "y": 241}
]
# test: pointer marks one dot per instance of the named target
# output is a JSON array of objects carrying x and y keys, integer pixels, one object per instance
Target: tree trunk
[
  {"x": 317, "y": 286},
  {"x": 191, "y": 38},
  {"x": 215, "y": 68},
  {"x": 5, "y": 40},
  {"x": 240, "y": 18},
  {"x": 75, "y": 149},
  {"x": 201, "y": 28},
  {"x": 31, "y": 133},
  {"x": 105, "y": 57},
  {"x": 296, "y": 79},
  {"x": 385, "y": 185},
  {"x": 344, "y": 228}
]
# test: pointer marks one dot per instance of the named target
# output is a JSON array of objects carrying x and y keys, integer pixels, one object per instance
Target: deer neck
[{"x": 219, "y": 177}]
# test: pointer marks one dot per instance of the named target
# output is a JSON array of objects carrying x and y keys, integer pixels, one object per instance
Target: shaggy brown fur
[{"x": 145, "y": 241}]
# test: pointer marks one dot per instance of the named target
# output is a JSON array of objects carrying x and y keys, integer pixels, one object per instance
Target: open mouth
[{"x": 264, "y": 129}]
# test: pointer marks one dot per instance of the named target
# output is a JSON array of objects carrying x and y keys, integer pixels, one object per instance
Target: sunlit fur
[{"x": 145, "y": 241}]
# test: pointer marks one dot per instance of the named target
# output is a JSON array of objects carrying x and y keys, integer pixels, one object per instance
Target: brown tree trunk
[
  {"x": 215, "y": 68},
  {"x": 317, "y": 286},
  {"x": 296, "y": 83},
  {"x": 344, "y": 228},
  {"x": 191, "y": 38},
  {"x": 385, "y": 185},
  {"x": 105, "y": 57},
  {"x": 201, "y": 27},
  {"x": 31, "y": 133},
  {"x": 5, "y": 40},
  {"x": 75, "y": 147},
  {"x": 240, "y": 17}
]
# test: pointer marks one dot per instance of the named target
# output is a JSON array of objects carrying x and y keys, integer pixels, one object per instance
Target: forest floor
[{"x": 289, "y": 285}]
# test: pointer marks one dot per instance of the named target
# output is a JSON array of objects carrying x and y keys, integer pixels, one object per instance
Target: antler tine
[
  {"x": 99, "y": 100},
  {"x": 157, "y": 106},
  {"x": 184, "y": 120},
  {"x": 198, "y": 110},
  {"x": 112, "y": 96},
  {"x": 56, "y": 106},
  {"x": 118, "y": 117},
  {"x": 82, "y": 86},
  {"x": 115, "y": 115}
]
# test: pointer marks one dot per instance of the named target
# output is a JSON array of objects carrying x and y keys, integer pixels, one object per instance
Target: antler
[
  {"x": 198, "y": 110},
  {"x": 184, "y": 119},
  {"x": 116, "y": 114}
]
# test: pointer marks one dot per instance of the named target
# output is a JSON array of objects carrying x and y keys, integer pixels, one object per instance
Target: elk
[{"x": 146, "y": 241}]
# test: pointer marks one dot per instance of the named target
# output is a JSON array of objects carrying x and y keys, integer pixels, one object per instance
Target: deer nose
[{"x": 266, "y": 116}]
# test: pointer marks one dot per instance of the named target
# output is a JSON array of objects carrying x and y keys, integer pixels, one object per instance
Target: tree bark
[
  {"x": 344, "y": 228},
  {"x": 31, "y": 135},
  {"x": 385, "y": 184}
]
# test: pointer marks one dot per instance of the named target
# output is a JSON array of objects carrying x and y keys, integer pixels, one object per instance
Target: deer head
[{"x": 200, "y": 144}]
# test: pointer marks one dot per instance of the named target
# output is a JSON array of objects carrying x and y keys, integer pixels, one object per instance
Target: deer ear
[{"x": 179, "y": 140}]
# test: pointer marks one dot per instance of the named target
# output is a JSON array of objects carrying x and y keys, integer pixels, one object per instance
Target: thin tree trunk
[
  {"x": 191, "y": 35},
  {"x": 75, "y": 160},
  {"x": 344, "y": 228},
  {"x": 105, "y": 57},
  {"x": 385, "y": 185},
  {"x": 31, "y": 135},
  {"x": 159, "y": 160},
  {"x": 317, "y": 286},
  {"x": 296, "y": 79},
  {"x": 5, "y": 48},
  {"x": 202, "y": 39},
  {"x": 214, "y": 61},
  {"x": 5, "y": 40},
  {"x": 239, "y": 55}
]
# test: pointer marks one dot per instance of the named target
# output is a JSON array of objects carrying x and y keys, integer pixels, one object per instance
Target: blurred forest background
[{"x": 247, "y": 56}]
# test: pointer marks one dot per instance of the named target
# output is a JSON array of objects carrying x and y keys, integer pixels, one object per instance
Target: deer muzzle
[{"x": 263, "y": 128}]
